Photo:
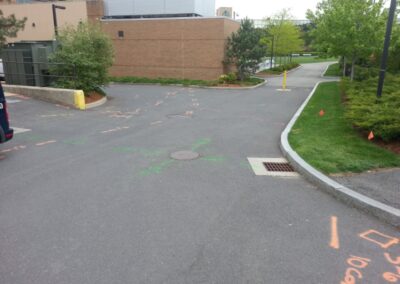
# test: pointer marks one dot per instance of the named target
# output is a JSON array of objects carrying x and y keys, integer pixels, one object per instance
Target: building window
[{"x": 121, "y": 34}]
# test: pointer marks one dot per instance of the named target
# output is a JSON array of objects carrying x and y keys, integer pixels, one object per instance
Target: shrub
[
  {"x": 286, "y": 67},
  {"x": 365, "y": 73},
  {"x": 229, "y": 78},
  {"x": 85, "y": 53},
  {"x": 370, "y": 114}
]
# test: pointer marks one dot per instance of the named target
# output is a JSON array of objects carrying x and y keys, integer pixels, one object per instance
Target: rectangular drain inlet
[
  {"x": 278, "y": 167},
  {"x": 275, "y": 167}
]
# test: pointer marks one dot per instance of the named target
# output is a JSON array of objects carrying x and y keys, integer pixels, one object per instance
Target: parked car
[
  {"x": 6, "y": 133},
  {"x": 1, "y": 70}
]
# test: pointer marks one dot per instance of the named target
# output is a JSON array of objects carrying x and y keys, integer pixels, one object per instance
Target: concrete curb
[
  {"x": 387, "y": 213},
  {"x": 96, "y": 104},
  {"x": 195, "y": 86}
]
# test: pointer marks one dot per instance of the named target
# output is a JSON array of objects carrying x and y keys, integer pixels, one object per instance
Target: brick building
[{"x": 172, "y": 45}]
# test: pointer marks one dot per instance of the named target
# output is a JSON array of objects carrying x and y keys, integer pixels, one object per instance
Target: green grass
[
  {"x": 184, "y": 82},
  {"x": 333, "y": 71},
  {"x": 312, "y": 59},
  {"x": 330, "y": 143}
]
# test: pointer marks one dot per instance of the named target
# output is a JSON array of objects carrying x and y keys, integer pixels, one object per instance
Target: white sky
[{"x": 258, "y": 9}]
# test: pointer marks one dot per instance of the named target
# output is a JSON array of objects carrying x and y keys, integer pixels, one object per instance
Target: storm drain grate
[{"x": 278, "y": 167}]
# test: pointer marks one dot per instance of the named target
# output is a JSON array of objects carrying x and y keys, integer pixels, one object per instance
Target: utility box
[{"x": 26, "y": 63}]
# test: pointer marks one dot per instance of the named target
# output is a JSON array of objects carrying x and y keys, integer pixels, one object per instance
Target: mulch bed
[
  {"x": 392, "y": 146},
  {"x": 93, "y": 97}
]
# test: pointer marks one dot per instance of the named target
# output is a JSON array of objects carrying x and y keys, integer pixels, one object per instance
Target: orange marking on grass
[
  {"x": 334, "y": 234},
  {"x": 46, "y": 143}
]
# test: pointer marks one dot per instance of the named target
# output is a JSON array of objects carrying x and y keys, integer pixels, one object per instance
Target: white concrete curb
[
  {"x": 97, "y": 104},
  {"x": 349, "y": 196},
  {"x": 195, "y": 86}
]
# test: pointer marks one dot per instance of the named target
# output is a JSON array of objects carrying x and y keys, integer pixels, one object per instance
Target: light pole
[
  {"x": 385, "y": 53},
  {"x": 272, "y": 52},
  {"x": 54, "y": 7}
]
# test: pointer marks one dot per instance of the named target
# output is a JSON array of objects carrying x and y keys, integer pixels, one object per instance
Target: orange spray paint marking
[
  {"x": 322, "y": 112},
  {"x": 384, "y": 241},
  {"x": 334, "y": 234},
  {"x": 371, "y": 136},
  {"x": 46, "y": 143},
  {"x": 392, "y": 277}
]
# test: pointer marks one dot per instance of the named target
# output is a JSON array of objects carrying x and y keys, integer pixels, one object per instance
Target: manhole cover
[{"x": 184, "y": 155}]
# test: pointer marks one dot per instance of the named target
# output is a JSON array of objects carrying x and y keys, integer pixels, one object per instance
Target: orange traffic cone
[
  {"x": 322, "y": 112},
  {"x": 371, "y": 136}
]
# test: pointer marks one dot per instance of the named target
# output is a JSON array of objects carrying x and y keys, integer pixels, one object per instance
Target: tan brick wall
[
  {"x": 95, "y": 10},
  {"x": 170, "y": 48},
  {"x": 39, "y": 24}
]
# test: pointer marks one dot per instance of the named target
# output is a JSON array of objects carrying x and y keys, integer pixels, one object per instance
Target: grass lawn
[
  {"x": 311, "y": 59},
  {"x": 185, "y": 82},
  {"x": 333, "y": 71},
  {"x": 330, "y": 143}
]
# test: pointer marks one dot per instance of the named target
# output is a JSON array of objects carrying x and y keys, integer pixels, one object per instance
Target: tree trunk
[
  {"x": 353, "y": 65},
  {"x": 344, "y": 66}
]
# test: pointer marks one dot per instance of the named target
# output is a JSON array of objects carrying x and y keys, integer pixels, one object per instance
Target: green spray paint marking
[
  {"x": 79, "y": 141},
  {"x": 200, "y": 143},
  {"x": 151, "y": 153},
  {"x": 214, "y": 159},
  {"x": 124, "y": 149},
  {"x": 156, "y": 169}
]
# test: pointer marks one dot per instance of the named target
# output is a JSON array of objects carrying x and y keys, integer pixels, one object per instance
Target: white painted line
[
  {"x": 13, "y": 101},
  {"x": 46, "y": 142},
  {"x": 20, "y": 130},
  {"x": 257, "y": 164},
  {"x": 284, "y": 90}
]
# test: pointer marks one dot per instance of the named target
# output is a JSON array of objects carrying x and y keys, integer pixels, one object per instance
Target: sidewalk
[{"x": 383, "y": 185}]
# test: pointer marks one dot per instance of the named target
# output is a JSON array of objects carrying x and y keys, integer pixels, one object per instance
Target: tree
[
  {"x": 9, "y": 27},
  {"x": 82, "y": 58},
  {"x": 353, "y": 29},
  {"x": 282, "y": 32},
  {"x": 245, "y": 50}
]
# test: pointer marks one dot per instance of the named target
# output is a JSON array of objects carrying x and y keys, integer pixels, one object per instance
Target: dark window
[{"x": 120, "y": 34}]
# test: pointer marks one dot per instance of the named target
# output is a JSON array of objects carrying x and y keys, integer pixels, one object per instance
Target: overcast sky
[{"x": 258, "y": 9}]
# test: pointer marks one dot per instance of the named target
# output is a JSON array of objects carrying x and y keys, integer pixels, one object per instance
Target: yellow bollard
[
  {"x": 79, "y": 98},
  {"x": 284, "y": 80}
]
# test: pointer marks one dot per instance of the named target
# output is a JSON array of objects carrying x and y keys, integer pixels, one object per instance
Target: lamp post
[
  {"x": 54, "y": 7},
  {"x": 385, "y": 53},
  {"x": 272, "y": 52}
]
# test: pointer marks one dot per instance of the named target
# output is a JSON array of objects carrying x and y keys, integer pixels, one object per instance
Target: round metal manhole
[{"x": 184, "y": 155}]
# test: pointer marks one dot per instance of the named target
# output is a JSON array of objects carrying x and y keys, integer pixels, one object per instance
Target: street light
[
  {"x": 385, "y": 54},
  {"x": 54, "y": 7}
]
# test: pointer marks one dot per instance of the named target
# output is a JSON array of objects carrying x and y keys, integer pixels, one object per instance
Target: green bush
[
  {"x": 229, "y": 78},
  {"x": 85, "y": 53},
  {"x": 368, "y": 113},
  {"x": 365, "y": 73},
  {"x": 286, "y": 67}
]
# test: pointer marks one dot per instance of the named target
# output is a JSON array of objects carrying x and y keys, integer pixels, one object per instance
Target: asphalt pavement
[{"x": 94, "y": 197}]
